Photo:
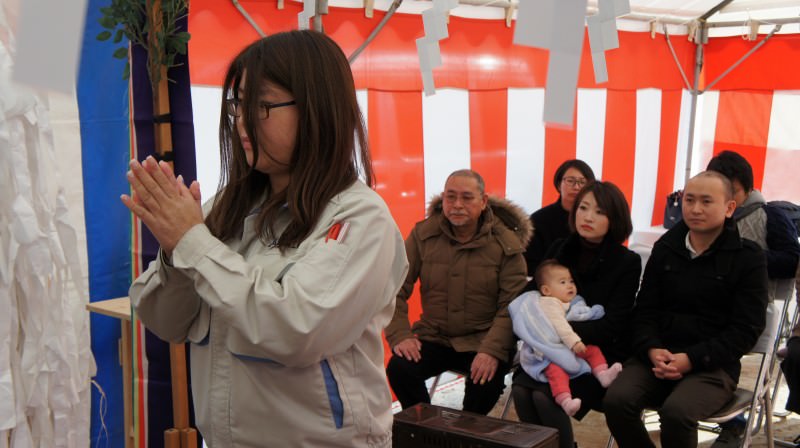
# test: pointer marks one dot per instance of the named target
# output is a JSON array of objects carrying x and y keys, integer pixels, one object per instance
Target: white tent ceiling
[{"x": 677, "y": 13}]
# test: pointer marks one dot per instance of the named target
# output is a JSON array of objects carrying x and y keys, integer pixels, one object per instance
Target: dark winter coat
[
  {"x": 551, "y": 224},
  {"x": 712, "y": 307},
  {"x": 465, "y": 287},
  {"x": 611, "y": 280}
]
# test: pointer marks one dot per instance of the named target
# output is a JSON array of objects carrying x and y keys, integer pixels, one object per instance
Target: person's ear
[
  {"x": 544, "y": 289},
  {"x": 731, "y": 206}
]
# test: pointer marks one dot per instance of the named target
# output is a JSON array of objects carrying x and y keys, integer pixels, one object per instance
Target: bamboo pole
[{"x": 181, "y": 435}]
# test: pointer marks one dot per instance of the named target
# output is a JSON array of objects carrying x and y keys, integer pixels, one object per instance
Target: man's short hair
[
  {"x": 733, "y": 166},
  {"x": 727, "y": 186},
  {"x": 544, "y": 269},
  {"x": 472, "y": 174}
]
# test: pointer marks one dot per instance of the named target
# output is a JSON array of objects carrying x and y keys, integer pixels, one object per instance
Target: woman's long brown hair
[{"x": 326, "y": 159}]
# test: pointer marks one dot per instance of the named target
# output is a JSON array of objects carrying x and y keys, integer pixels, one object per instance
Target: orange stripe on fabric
[
  {"x": 488, "y": 112},
  {"x": 619, "y": 147},
  {"x": 395, "y": 140},
  {"x": 743, "y": 126},
  {"x": 137, "y": 409},
  {"x": 559, "y": 146},
  {"x": 477, "y": 55},
  {"x": 397, "y": 152},
  {"x": 773, "y": 67},
  {"x": 670, "y": 122}
]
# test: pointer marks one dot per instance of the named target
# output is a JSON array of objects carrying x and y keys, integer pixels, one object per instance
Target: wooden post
[
  {"x": 163, "y": 127},
  {"x": 126, "y": 356},
  {"x": 181, "y": 435}
]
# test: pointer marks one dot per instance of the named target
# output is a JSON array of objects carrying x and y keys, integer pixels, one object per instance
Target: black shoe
[{"x": 729, "y": 437}]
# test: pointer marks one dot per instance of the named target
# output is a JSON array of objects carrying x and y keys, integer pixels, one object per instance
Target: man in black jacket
[{"x": 701, "y": 307}]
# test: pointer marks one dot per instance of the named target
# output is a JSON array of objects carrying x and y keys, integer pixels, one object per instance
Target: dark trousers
[
  {"x": 791, "y": 371},
  {"x": 407, "y": 378},
  {"x": 681, "y": 404}
]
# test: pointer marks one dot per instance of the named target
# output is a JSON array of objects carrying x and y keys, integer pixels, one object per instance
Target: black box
[{"x": 429, "y": 426}]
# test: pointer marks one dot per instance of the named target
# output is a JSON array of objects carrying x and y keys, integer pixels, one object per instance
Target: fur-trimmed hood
[{"x": 510, "y": 214}]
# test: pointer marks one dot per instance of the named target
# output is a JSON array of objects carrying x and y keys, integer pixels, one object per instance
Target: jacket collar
[
  {"x": 500, "y": 214},
  {"x": 729, "y": 239}
]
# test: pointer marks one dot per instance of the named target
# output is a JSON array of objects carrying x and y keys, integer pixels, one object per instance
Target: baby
[{"x": 558, "y": 302}]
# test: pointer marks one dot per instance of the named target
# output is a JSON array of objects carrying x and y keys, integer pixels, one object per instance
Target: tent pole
[
  {"x": 248, "y": 18},
  {"x": 700, "y": 38},
  {"x": 395, "y": 4},
  {"x": 786, "y": 21},
  {"x": 746, "y": 55},
  {"x": 316, "y": 21},
  {"x": 714, "y": 10},
  {"x": 698, "y": 67},
  {"x": 675, "y": 58}
]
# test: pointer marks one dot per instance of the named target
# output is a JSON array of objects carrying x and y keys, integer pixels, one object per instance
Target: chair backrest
[{"x": 766, "y": 342}]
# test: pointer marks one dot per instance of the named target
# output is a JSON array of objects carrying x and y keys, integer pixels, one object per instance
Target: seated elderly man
[{"x": 468, "y": 256}]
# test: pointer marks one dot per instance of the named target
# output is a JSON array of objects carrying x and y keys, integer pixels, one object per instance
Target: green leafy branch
[{"x": 160, "y": 36}]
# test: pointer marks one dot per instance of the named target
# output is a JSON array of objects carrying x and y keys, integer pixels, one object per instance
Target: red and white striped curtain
[
  {"x": 763, "y": 126},
  {"x": 487, "y": 110}
]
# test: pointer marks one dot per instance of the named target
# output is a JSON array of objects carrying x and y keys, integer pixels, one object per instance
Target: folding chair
[
  {"x": 506, "y": 403},
  {"x": 506, "y": 400},
  {"x": 759, "y": 400},
  {"x": 785, "y": 334},
  {"x": 437, "y": 379}
]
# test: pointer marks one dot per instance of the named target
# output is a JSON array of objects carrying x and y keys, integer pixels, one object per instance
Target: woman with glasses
[
  {"x": 550, "y": 222},
  {"x": 607, "y": 273},
  {"x": 284, "y": 281}
]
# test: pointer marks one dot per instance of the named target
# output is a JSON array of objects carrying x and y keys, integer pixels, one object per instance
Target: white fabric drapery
[{"x": 46, "y": 363}]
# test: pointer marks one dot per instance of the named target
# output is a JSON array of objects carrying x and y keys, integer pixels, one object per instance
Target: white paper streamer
[
  {"x": 434, "y": 21},
  {"x": 603, "y": 33},
  {"x": 309, "y": 11},
  {"x": 45, "y": 358},
  {"x": 555, "y": 25}
]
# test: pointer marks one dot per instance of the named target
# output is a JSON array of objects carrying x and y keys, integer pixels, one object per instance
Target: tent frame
[{"x": 698, "y": 32}]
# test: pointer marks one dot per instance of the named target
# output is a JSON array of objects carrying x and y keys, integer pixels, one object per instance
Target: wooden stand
[
  {"x": 120, "y": 308},
  {"x": 181, "y": 435}
]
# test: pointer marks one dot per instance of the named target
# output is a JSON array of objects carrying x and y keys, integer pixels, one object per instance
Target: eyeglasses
[
  {"x": 574, "y": 181},
  {"x": 234, "y": 107}
]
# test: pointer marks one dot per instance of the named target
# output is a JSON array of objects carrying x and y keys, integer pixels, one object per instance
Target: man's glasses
[
  {"x": 574, "y": 181},
  {"x": 234, "y": 106}
]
